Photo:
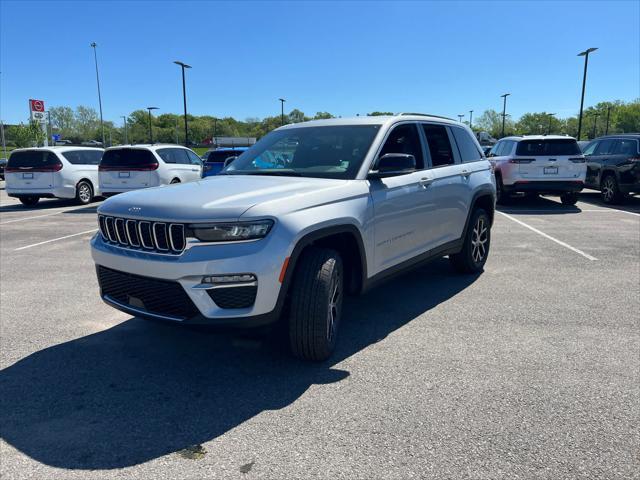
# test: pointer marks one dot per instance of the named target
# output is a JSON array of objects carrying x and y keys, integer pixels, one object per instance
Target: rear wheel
[
  {"x": 569, "y": 198},
  {"x": 316, "y": 304},
  {"x": 475, "y": 250},
  {"x": 610, "y": 190},
  {"x": 501, "y": 196},
  {"x": 84, "y": 193},
  {"x": 175, "y": 180},
  {"x": 29, "y": 201}
]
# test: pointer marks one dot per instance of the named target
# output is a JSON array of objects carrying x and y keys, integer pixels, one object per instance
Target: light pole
[
  {"x": 608, "y": 116},
  {"x": 184, "y": 99},
  {"x": 282, "y": 100},
  {"x": 50, "y": 128},
  {"x": 549, "y": 126},
  {"x": 124, "y": 118},
  {"x": 584, "y": 54},
  {"x": 504, "y": 111},
  {"x": 95, "y": 57},
  {"x": 470, "y": 118},
  {"x": 595, "y": 123},
  {"x": 150, "y": 131},
  {"x": 215, "y": 129},
  {"x": 460, "y": 117}
]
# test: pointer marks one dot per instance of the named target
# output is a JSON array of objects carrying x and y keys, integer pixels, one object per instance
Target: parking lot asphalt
[{"x": 529, "y": 370}]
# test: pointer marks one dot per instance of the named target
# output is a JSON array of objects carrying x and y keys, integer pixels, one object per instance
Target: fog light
[{"x": 222, "y": 279}]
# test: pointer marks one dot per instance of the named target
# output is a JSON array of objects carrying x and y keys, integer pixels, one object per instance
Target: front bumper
[
  {"x": 263, "y": 258},
  {"x": 551, "y": 187}
]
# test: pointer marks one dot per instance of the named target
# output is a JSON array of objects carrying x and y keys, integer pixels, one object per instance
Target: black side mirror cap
[{"x": 392, "y": 164}]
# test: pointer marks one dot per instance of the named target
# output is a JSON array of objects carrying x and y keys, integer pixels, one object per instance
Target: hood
[{"x": 217, "y": 198}]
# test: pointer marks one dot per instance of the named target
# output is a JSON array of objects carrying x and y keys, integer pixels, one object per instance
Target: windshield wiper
[{"x": 282, "y": 172}]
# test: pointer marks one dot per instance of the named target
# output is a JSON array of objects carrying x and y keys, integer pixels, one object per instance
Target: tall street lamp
[
  {"x": 95, "y": 57},
  {"x": 460, "y": 117},
  {"x": 549, "y": 126},
  {"x": 124, "y": 119},
  {"x": 184, "y": 99},
  {"x": 584, "y": 54},
  {"x": 282, "y": 100},
  {"x": 595, "y": 123},
  {"x": 504, "y": 111},
  {"x": 470, "y": 118},
  {"x": 608, "y": 116},
  {"x": 150, "y": 131}
]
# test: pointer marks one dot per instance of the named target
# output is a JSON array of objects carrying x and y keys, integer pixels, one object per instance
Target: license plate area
[
  {"x": 550, "y": 170},
  {"x": 124, "y": 174},
  {"x": 27, "y": 176}
]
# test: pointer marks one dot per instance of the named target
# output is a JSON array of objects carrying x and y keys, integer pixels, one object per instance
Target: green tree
[
  {"x": 378, "y": 114},
  {"x": 62, "y": 118}
]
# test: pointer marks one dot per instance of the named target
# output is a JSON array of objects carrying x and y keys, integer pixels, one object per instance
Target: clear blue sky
[{"x": 344, "y": 58}]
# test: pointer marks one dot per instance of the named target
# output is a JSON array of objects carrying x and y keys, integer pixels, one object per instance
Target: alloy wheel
[
  {"x": 479, "y": 239},
  {"x": 334, "y": 308},
  {"x": 608, "y": 189},
  {"x": 84, "y": 192}
]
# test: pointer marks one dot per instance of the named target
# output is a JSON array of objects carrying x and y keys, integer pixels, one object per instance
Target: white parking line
[
  {"x": 559, "y": 242},
  {"x": 58, "y": 210},
  {"x": 55, "y": 239},
  {"x": 29, "y": 218}
]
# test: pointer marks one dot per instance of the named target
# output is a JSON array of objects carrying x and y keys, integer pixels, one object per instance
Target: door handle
[
  {"x": 465, "y": 173},
  {"x": 425, "y": 182}
]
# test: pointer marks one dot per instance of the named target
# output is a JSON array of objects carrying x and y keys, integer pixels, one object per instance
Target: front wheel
[
  {"x": 316, "y": 304},
  {"x": 475, "y": 249},
  {"x": 29, "y": 201},
  {"x": 84, "y": 193},
  {"x": 569, "y": 198}
]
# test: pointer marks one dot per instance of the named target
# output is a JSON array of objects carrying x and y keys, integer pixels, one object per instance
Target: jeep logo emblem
[{"x": 134, "y": 209}]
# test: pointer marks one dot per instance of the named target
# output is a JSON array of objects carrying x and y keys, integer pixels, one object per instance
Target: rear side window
[
  {"x": 33, "y": 159},
  {"x": 626, "y": 147},
  {"x": 83, "y": 157},
  {"x": 439, "y": 145},
  {"x": 468, "y": 150},
  {"x": 127, "y": 157},
  {"x": 173, "y": 155},
  {"x": 605, "y": 147},
  {"x": 548, "y": 147}
]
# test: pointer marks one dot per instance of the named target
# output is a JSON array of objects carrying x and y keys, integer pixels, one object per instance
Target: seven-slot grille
[{"x": 159, "y": 237}]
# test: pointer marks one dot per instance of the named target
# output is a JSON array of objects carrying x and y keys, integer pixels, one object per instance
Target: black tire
[
  {"x": 29, "y": 201},
  {"x": 502, "y": 198},
  {"x": 84, "y": 193},
  {"x": 609, "y": 189},
  {"x": 473, "y": 256},
  {"x": 175, "y": 180},
  {"x": 316, "y": 304},
  {"x": 569, "y": 198}
]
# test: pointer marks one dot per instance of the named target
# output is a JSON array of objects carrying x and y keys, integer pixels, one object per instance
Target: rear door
[
  {"x": 550, "y": 159},
  {"x": 593, "y": 165},
  {"x": 85, "y": 165},
  {"x": 127, "y": 168},
  {"x": 32, "y": 169},
  {"x": 625, "y": 157}
]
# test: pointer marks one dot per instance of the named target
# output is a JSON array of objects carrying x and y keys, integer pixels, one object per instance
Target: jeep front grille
[{"x": 159, "y": 237}]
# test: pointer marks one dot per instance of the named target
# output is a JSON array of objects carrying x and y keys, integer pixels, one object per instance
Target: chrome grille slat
[{"x": 159, "y": 237}]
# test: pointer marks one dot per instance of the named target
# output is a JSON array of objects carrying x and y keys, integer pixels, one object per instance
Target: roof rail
[{"x": 426, "y": 115}]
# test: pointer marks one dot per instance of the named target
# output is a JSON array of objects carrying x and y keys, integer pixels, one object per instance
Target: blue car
[{"x": 214, "y": 159}]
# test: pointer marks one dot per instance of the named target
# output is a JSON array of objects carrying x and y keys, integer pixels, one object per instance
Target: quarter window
[
  {"x": 467, "y": 147},
  {"x": 439, "y": 145},
  {"x": 405, "y": 139}
]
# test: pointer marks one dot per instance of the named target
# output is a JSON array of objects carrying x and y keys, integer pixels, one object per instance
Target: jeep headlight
[{"x": 230, "y": 232}]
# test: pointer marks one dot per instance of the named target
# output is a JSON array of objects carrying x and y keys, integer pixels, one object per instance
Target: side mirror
[
  {"x": 229, "y": 160},
  {"x": 392, "y": 164}
]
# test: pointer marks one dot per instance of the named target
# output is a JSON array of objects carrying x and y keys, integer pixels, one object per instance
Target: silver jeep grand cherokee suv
[{"x": 311, "y": 212}]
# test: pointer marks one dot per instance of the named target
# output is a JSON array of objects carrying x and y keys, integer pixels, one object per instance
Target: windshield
[
  {"x": 548, "y": 147},
  {"x": 323, "y": 152}
]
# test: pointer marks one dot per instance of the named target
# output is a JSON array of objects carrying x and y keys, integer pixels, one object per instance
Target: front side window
[
  {"x": 468, "y": 150},
  {"x": 605, "y": 147},
  {"x": 405, "y": 139},
  {"x": 545, "y": 147},
  {"x": 589, "y": 149},
  {"x": 193, "y": 158},
  {"x": 83, "y": 157},
  {"x": 323, "y": 152},
  {"x": 495, "y": 150},
  {"x": 439, "y": 145}
]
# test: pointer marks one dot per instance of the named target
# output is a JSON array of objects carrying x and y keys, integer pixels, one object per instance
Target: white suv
[
  {"x": 310, "y": 212},
  {"x": 53, "y": 172},
  {"x": 539, "y": 164},
  {"x": 132, "y": 167}
]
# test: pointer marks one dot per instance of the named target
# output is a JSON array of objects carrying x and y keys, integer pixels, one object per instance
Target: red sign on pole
[{"x": 36, "y": 105}]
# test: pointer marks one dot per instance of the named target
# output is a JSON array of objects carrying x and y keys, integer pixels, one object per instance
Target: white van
[
  {"x": 132, "y": 167},
  {"x": 53, "y": 172}
]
